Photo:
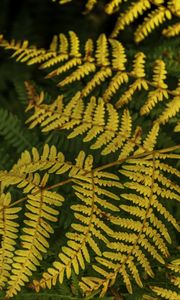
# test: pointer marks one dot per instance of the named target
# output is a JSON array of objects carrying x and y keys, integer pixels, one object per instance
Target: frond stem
[{"x": 106, "y": 166}]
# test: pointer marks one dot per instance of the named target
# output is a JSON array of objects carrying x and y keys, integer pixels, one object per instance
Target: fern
[
  {"x": 8, "y": 231},
  {"x": 111, "y": 71},
  {"x": 167, "y": 293},
  {"x": 89, "y": 209},
  {"x": 91, "y": 187},
  {"x": 99, "y": 122},
  {"x": 160, "y": 14},
  {"x": 12, "y": 130}
]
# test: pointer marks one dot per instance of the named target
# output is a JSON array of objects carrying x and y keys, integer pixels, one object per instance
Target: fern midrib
[{"x": 100, "y": 168}]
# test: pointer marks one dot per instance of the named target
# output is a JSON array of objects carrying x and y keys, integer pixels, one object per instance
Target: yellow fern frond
[
  {"x": 112, "y": 6},
  {"x": 25, "y": 53},
  {"x": 130, "y": 234},
  {"x": 125, "y": 132},
  {"x": 138, "y": 84},
  {"x": 103, "y": 74},
  {"x": 160, "y": 12},
  {"x": 159, "y": 74},
  {"x": 128, "y": 247},
  {"x": 9, "y": 233},
  {"x": 165, "y": 293},
  {"x": 89, "y": 188},
  {"x": 174, "y": 6},
  {"x": 172, "y": 31},
  {"x": 114, "y": 85},
  {"x": 177, "y": 128},
  {"x": 139, "y": 65},
  {"x": 151, "y": 139},
  {"x": 61, "y": 53},
  {"x": 129, "y": 146},
  {"x": 34, "y": 240},
  {"x": 153, "y": 20},
  {"x": 137, "y": 8},
  {"x": 96, "y": 120},
  {"x": 118, "y": 53},
  {"x": 172, "y": 108},
  {"x": 90, "y": 5},
  {"x": 105, "y": 66},
  {"x": 22, "y": 175},
  {"x": 118, "y": 64},
  {"x": 102, "y": 51},
  {"x": 138, "y": 73},
  {"x": 174, "y": 265},
  {"x": 160, "y": 91}
]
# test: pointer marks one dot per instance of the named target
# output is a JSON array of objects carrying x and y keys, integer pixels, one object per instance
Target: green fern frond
[
  {"x": 11, "y": 128},
  {"x": 5, "y": 159}
]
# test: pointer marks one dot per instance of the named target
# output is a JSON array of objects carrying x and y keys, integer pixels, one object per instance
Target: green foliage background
[{"x": 38, "y": 21}]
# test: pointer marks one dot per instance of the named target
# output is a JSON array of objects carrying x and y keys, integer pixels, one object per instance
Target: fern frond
[
  {"x": 36, "y": 232},
  {"x": 150, "y": 140},
  {"x": 106, "y": 66},
  {"x": 11, "y": 128},
  {"x": 39, "y": 211},
  {"x": 146, "y": 180},
  {"x": 100, "y": 122},
  {"x": 128, "y": 241},
  {"x": 50, "y": 160},
  {"x": 172, "y": 31},
  {"x": 97, "y": 120},
  {"x": 174, "y": 6},
  {"x": 175, "y": 265},
  {"x": 61, "y": 53},
  {"x": 172, "y": 107},
  {"x": 177, "y": 128},
  {"x": 91, "y": 191},
  {"x": 140, "y": 83},
  {"x": 160, "y": 12},
  {"x": 9, "y": 234},
  {"x": 156, "y": 18},
  {"x": 135, "y": 9},
  {"x": 165, "y": 293},
  {"x": 112, "y": 6},
  {"x": 25, "y": 53},
  {"x": 160, "y": 91},
  {"x": 25, "y": 174}
]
